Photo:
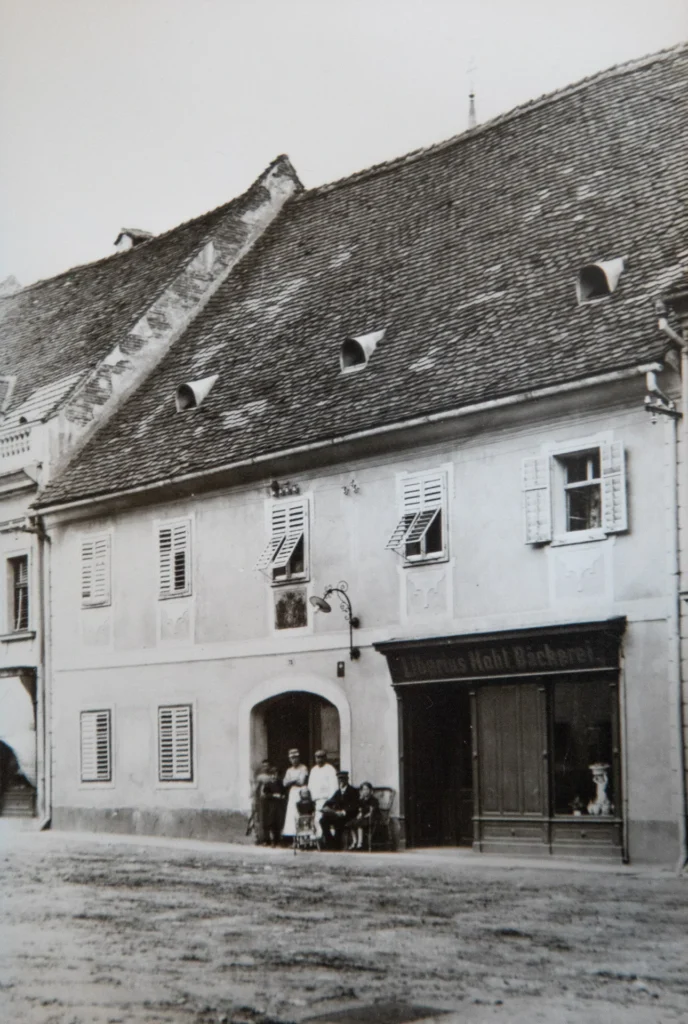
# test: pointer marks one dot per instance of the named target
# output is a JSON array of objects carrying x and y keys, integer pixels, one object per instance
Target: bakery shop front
[{"x": 509, "y": 741}]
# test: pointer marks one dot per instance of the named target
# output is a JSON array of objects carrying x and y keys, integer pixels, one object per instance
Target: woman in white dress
[{"x": 295, "y": 777}]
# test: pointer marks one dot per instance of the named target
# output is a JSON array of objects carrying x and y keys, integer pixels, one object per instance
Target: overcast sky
[{"x": 143, "y": 113}]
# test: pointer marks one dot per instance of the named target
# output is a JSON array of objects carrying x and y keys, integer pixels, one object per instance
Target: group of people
[{"x": 322, "y": 795}]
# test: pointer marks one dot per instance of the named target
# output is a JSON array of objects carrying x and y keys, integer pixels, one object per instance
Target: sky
[{"x": 144, "y": 113}]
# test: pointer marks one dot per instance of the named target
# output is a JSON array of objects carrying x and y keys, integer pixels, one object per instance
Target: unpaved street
[{"x": 97, "y": 930}]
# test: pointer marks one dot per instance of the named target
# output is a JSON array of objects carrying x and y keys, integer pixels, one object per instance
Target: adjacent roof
[
  {"x": 56, "y": 330},
  {"x": 465, "y": 253}
]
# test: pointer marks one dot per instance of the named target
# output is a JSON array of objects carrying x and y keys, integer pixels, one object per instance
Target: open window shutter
[
  {"x": 614, "y": 508},
  {"x": 95, "y": 571},
  {"x": 95, "y": 746},
  {"x": 537, "y": 500},
  {"x": 174, "y": 544},
  {"x": 411, "y": 506},
  {"x": 175, "y": 744},
  {"x": 278, "y": 533},
  {"x": 295, "y": 529}
]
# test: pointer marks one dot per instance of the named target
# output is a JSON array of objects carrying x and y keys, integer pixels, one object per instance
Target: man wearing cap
[
  {"x": 322, "y": 783},
  {"x": 339, "y": 811}
]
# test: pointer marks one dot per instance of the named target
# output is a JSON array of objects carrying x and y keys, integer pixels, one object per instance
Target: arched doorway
[{"x": 296, "y": 718}]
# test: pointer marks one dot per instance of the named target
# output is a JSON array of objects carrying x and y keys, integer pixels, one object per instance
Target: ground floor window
[
  {"x": 582, "y": 741},
  {"x": 96, "y": 746},
  {"x": 175, "y": 743}
]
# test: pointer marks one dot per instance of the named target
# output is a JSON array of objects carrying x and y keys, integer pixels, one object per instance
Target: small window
[
  {"x": 285, "y": 557},
  {"x": 96, "y": 746},
  {"x": 597, "y": 280},
  {"x": 355, "y": 352},
  {"x": 174, "y": 549},
  {"x": 175, "y": 743},
  {"x": 18, "y": 593},
  {"x": 95, "y": 571},
  {"x": 420, "y": 534}
]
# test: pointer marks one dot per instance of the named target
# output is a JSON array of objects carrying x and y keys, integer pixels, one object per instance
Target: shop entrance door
[{"x": 438, "y": 769}]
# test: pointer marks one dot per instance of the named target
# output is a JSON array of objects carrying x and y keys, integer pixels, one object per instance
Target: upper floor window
[
  {"x": 96, "y": 746},
  {"x": 95, "y": 571},
  {"x": 174, "y": 553},
  {"x": 286, "y": 555},
  {"x": 18, "y": 586},
  {"x": 421, "y": 533},
  {"x": 578, "y": 494}
]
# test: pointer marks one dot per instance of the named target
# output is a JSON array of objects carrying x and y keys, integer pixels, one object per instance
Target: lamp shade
[{"x": 320, "y": 603}]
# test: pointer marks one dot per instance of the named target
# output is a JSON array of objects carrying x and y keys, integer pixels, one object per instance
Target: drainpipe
[{"x": 675, "y": 554}]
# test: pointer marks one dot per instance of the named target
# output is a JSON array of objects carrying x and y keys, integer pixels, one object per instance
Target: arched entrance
[{"x": 297, "y": 718}]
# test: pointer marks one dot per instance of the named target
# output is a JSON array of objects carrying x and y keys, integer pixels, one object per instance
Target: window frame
[
  {"x": 411, "y": 518},
  {"x": 173, "y": 525},
  {"x": 109, "y": 782},
  {"x": 11, "y": 561},
  {"x": 177, "y": 781}
]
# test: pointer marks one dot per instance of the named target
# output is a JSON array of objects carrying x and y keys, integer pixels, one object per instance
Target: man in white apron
[{"x": 322, "y": 783}]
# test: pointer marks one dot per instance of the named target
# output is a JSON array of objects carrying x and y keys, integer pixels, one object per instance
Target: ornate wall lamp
[{"x": 345, "y": 604}]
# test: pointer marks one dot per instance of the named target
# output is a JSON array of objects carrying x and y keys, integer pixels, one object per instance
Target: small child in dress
[
  {"x": 368, "y": 810},
  {"x": 305, "y": 804}
]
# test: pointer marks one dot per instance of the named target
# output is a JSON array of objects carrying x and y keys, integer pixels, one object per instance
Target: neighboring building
[
  {"x": 71, "y": 349},
  {"x": 431, "y": 381}
]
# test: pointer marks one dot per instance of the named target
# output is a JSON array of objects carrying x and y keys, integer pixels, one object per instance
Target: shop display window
[{"x": 583, "y": 748}]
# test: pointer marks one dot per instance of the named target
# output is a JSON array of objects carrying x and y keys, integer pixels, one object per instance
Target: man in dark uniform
[{"x": 338, "y": 812}]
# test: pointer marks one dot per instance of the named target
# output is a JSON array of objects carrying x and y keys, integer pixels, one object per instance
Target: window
[
  {"x": 95, "y": 571},
  {"x": 18, "y": 593},
  {"x": 175, "y": 743},
  {"x": 420, "y": 534},
  {"x": 583, "y": 748},
  {"x": 174, "y": 548},
  {"x": 286, "y": 555},
  {"x": 96, "y": 747},
  {"x": 575, "y": 495}
]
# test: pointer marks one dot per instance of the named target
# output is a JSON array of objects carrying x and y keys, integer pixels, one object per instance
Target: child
[
  {"x": 368, "y": 810},
  {"x": 271, "y": 803},
  {"x": 305, "y": 804}
]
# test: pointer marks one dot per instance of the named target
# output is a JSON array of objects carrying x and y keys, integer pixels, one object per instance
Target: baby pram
[{"x": 305, "y": 836}]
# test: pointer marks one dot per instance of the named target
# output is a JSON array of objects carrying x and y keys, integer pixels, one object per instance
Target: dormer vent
[
  {"x": 129, "y": 237},
  {"x": 597, "y": 280},
  {"x": 356, "y": 352},
  {"x": 192, "y": 393}
]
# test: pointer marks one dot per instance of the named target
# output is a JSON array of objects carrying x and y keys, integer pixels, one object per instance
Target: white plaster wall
[{"x": 491, "y": 581}]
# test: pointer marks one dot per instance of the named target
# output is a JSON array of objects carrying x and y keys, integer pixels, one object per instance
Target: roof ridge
[{"x": 414, "y": 155}]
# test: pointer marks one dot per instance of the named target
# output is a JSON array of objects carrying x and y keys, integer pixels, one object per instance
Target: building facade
[{"x": 445, "y": 397}]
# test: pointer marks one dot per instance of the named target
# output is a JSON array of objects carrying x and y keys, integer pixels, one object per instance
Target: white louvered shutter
[
  {"x": 613, "y": 469},
  {"x": 175, "y": 753},
  {"x": 174, "y": 547},
  {"x": 95, "y": 571},
  {"x": 288, "y": 524},
  {"x": 422, "y": 501},
  {"x": 96, "y": 759},
  {"x": 537, "y": 501}
]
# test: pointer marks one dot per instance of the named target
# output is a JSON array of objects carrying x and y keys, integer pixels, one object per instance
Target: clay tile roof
[{"x": 466, "y": 254}]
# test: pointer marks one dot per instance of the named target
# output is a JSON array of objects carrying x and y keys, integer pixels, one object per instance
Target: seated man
[{"x": 339, "y": 811}]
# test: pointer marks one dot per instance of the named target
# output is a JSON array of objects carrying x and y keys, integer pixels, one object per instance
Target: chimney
[{"x": 129, "y": 237}]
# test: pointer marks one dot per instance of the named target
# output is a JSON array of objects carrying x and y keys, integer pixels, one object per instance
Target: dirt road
[{"x": 101, "y": 931}]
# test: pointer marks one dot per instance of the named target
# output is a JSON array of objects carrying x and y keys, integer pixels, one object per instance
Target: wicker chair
[{"x": 381, "y": 834}]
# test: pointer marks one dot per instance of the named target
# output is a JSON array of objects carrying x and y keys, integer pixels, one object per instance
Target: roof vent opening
[
  {"x": 597, "y": 280},
  {"x": 356, "y": 352},
  {"x": 192, "y": 393},
  {"x": 129, "y": 237}
]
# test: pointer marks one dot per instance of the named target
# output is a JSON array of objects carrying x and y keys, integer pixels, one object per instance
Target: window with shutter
[
  {"x": 578, "y": 494},
  {"x": 95, "y": 571},
  {"x": 175, "y": 743},
  {"x": 174, "y": 549},
  {"x": 96, "y": 746},
  {"x": 285, "y": 556},
  {"x": 18, "y": 596},
  {"x": 420, "y": 534}
]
